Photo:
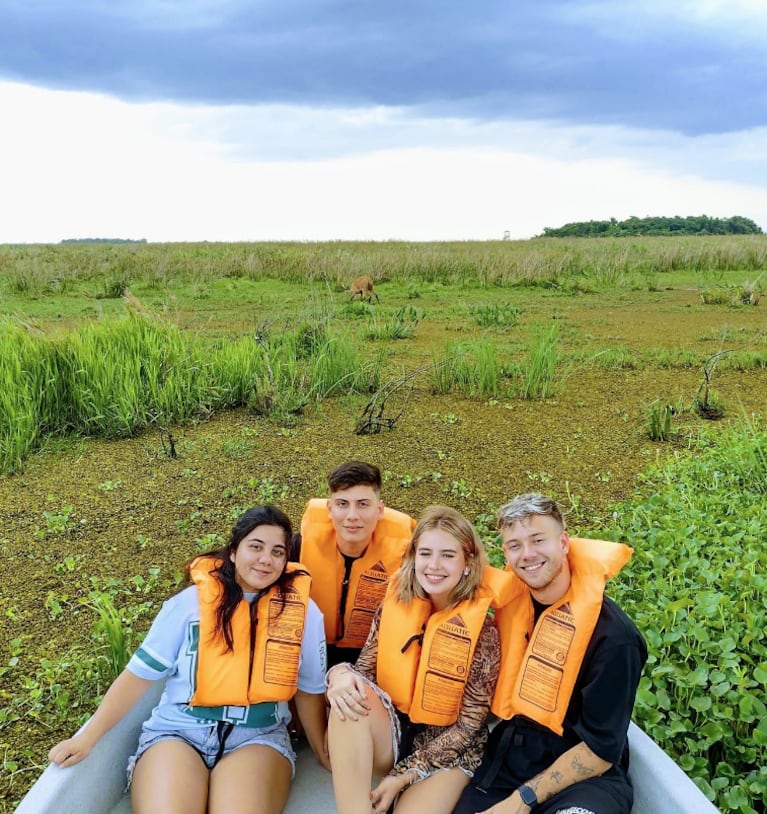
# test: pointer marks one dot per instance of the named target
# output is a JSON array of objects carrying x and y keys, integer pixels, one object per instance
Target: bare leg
[
  {"x": 250, "y": 780},
  {"x": 437, "y": 794},
  {"x": 170, "y": 778},
  {"x": 359, "y": 750}
]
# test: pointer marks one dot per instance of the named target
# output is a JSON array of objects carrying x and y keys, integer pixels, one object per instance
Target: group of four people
[{"x": 393, "y": 641}]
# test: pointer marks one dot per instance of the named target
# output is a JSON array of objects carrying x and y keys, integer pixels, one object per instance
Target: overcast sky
[{"x": 407, "y": 119}]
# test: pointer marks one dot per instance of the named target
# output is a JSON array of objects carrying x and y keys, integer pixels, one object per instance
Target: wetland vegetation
[{"x": 149, "y": 393}]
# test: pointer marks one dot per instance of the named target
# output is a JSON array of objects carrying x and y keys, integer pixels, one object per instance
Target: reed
[
  {"x": 118, "y": 377},
  {"x": 110, "y": 626},
  {"x": 283, "y": 387},
  {"x": 336, "y": 367},
  {"x": 488, "y": 370},
  {"x": 238, "y": 365},
  {"x": 658, "y": 421},
  {"x": 29, "y": 394},
  {"x": 113, "y": 378},
  {"x": 453, "y": 370},
  {"x": 470, "y": 368},
  {"x": 571, "y": 264},
  {"x": 443, "y": 373},
  {"x": 121, "y": 376},
  {"x": 538, "y": 375}
]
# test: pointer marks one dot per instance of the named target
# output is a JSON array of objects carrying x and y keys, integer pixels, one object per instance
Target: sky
[{"x": 252, "y": 120}]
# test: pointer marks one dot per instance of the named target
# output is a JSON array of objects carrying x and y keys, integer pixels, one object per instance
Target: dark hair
[
  {"x": 355, "y": 473},
  {"x": 224, "y": 572}
]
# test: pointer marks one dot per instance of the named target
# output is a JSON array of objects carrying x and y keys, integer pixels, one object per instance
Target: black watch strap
[{"x": 528, "y": 796}]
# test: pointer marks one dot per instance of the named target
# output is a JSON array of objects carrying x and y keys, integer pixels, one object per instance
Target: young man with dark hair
[{"x": 351, "y": 544}]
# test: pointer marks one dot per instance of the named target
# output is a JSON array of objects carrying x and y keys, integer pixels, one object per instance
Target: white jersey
[{"x": 169, "y": 651}]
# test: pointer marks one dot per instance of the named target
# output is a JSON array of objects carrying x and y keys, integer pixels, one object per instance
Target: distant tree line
[
  {"x": 632, "y": 227},
  {"x": 103, "y": 240}
]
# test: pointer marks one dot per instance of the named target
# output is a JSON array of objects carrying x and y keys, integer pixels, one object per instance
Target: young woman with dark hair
[{"x": 234, "y": 648}]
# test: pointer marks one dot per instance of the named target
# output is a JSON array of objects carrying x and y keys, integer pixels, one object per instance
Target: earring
[{"x": 466, "y": 571}]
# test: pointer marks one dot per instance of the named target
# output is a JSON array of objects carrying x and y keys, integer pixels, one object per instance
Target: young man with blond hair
[{"x": 570, "y": 665}]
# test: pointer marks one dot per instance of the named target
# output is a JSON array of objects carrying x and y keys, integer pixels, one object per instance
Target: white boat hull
[{"x": 96, "y": 786}]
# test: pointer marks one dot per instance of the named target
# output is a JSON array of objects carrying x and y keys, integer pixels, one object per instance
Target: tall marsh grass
[
  {"x": 29, "y": 393},
  {"x": 539, "y": 373},
  {"x": 109, "y": 626},
  {"x": 470, "y": 368},
  {"x": 114, "y": 378},
  {"x": 239, "y": 363},
  {"x": 574, "y": 264},
  {"x": 122, "y": 376},
  {"x": 658, "y": 421},
  {"x": 336, "y": 367}
]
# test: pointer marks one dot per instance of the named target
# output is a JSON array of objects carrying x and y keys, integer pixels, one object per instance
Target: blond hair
[{"x": 456, "y": 525}]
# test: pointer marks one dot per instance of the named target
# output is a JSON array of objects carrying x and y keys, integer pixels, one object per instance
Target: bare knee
[
  {"x": 339, "y": 730},
  {"x": 170, "y": 777}
]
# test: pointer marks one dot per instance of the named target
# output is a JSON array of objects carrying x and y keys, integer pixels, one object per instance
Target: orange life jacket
[
  {"x": 539, "y": 666},
  {"x": 424, "y": 657},
  {"x": 225, "y": 677},
  {"x": 369, "y": 575}
]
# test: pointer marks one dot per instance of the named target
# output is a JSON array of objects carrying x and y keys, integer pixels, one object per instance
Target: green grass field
[{"x": 148, "y": 393}]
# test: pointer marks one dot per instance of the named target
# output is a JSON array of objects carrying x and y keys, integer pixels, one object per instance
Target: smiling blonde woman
[{"x": 412, "y": 711}]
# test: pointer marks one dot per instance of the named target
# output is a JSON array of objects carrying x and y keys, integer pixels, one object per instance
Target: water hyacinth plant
[{"x": 697, "y": 589}]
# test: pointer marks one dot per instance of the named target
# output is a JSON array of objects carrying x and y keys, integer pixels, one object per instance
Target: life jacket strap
[
  {"x": 223, "y": 731},
  {"x": 508, "y": 736},
  {"x": 416, "y": 637}
]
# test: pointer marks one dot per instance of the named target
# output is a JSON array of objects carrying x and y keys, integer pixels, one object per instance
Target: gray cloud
[{"x": 490, "y": 60}]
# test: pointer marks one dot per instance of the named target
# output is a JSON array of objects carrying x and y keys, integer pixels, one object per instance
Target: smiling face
[
  {"x": 260, "y": 558},
  {"x": 355, "y": 513},
  {"x": 439, "y": 565},
  {"x": 536, "y": 549}
]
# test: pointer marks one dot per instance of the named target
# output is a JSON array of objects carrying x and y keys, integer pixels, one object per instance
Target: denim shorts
[{"x": 205, "y": 741}]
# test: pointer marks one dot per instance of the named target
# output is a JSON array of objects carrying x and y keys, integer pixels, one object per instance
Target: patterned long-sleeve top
[{"x": 462, "y": 743}]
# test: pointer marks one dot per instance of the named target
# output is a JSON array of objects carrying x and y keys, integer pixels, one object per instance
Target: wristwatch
[{"x": 528, "y": 796}]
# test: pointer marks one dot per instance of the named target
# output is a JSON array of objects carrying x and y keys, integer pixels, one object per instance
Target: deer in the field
[{"x": 364, "y": 287}]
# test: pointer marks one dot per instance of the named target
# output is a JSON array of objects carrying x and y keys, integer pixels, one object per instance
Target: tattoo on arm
[
  {"x": 580, "y": 768},
  {"x": 556, "y": 776}
]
